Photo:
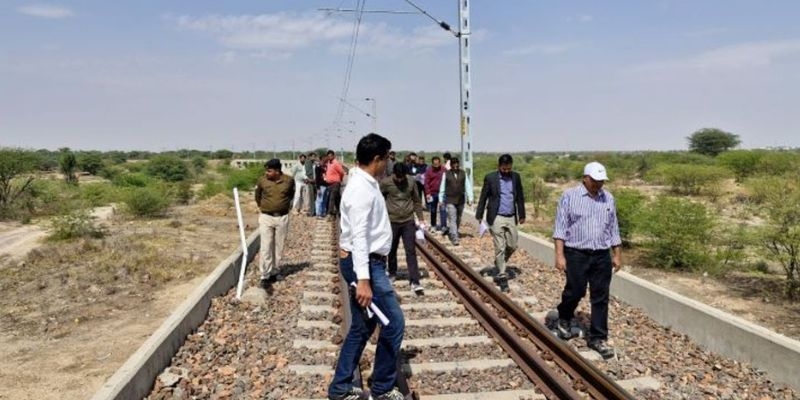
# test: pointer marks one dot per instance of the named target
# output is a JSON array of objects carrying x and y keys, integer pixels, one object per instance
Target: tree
[
  {"x": 14, "y": 163},
  {"x": 90, "y": 162},
  {"x": 68, "y": 164},
  {"x": 168, "y": 168},
  {"x": 712, "y": 141},
  {"x": 781, "y": 235}
]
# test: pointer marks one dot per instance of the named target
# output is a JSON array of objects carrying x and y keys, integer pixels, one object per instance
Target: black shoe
[
  {"x": 352, "y": 394},
  {"x": 564, "y": 328},
  {"x": 602, "y": 348},
  {"x": 502, "y": 281}
]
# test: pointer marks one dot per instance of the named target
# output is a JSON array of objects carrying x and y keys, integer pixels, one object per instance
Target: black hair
[
  {"x": 273, "y": 164},
  {"x": 312, "y": 154},
  {"x": 434, "y": 158},
  {"x": 331, "y": 152},
  {"x": 302, "y": 155},
  {"x": 412, "y": 154},
  {"x": 447, "y": 156},
  {"x": 454, "y": 160},
  {"x": 399, "y": 169},
  {"x": 505, "y": 159},
  {"x": 371, "y": 146}
]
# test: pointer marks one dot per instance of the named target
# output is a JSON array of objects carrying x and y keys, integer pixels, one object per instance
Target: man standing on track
[
  {"x": 454, "y": 190},
  {"x": 311, "y": 189},
  {"x": 365, "y": 240},
  {"x": 274, "y": 193},
  {"x": 587, "y": 243},
  {"x": 300, "y": 192},
  {"x": 334, "y": 175},
  {"x": 403, "y": 202},
  {"x": 504, "y": 202}
]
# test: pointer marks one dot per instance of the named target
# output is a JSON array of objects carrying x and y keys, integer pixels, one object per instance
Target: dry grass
[{"x": 61, "y": 284}]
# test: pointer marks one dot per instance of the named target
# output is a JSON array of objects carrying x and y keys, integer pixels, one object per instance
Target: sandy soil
[{"x": 61, "y": 338}]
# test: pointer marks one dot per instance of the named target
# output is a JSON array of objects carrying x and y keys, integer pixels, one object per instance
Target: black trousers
[
  {"x": 433, "y": 208},
  {"x": 592, "y": 268},
  {"x": 406, "y": 231},
  {"x": 334, "y": 199}
]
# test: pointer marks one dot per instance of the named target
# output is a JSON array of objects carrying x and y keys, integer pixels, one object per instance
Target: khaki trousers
[
  {"x": 273, "y": 235},
  {"x": 504, "y": 236}
]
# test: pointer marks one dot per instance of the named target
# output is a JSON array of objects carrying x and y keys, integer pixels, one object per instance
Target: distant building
[{"x": 242, "y": 163}]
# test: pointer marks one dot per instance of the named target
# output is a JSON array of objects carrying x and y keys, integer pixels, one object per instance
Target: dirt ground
[{"x": 72, "y": 312}]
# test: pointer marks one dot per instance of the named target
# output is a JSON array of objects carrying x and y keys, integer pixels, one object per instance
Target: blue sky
[{"x": 547, "y": 75}]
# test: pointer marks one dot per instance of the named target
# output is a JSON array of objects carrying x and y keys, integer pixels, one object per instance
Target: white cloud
[
  {"x": 276, "y": 36},
  {"x": 546, "y": 49},
  {"x": 734, "y": 57},
  {"x": 48, "y": 11},
  {"x": 585, "y": 18}
]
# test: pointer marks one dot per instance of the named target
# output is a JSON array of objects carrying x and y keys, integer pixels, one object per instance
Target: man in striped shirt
[{"x": 587, "y": 243}]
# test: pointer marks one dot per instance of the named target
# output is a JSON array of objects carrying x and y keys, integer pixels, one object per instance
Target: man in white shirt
[
  {"x": 300, "y": 193},
  {"x": 365, "y": 241}
]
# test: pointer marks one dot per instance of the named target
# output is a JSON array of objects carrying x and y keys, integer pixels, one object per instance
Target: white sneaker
[{"x": 418, "y": 289}]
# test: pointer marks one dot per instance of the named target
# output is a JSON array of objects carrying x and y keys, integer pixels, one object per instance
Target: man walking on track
[
  {"x": 365, "y": 240},
  {"x": 587, "y": 243},
  {"x": 274, "y": 194},
  {"x": 504, "y": 202},
  {"x": 311, "y": 188},
  {"x": 403, "y": 202},
  {"x": 433, "y": 178},
  {"x": 454, "y": 190}
]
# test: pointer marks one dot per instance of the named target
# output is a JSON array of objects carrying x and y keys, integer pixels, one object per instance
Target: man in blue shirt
[
  {"x": 587, "y": 243},
  {"x": 504, "y": 202}
]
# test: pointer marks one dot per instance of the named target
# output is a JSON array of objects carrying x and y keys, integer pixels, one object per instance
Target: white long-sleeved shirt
[{"x": 364, "y": 221}]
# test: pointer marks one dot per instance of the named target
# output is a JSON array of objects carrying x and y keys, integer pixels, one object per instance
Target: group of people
[
  {"x": 383, "y": 203},
  {"x": 319, "y": 183}
]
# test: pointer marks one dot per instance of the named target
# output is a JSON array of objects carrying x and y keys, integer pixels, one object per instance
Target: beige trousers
[
  {"x": 273, "y": 235},
  {"x": 504, "y": 236}
]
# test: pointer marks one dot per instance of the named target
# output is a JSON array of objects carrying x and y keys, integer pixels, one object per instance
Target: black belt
[
  {"x": 274, "y": 214},
  {"x": 377, "y": 257},
  {"x": 589, "y": 251},
  {"x": 506, "y": 215}
]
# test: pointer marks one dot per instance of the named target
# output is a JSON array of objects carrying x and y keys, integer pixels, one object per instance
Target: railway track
[{"x": 557, "y": 371}]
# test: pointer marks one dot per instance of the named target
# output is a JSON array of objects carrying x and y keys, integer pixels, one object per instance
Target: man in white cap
[{"x": 587, "y": 243}]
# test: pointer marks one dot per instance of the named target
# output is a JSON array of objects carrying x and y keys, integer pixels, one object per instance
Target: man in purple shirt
[
  {"x": 587, "y": 242},
  {"x": 504, "y": 202}
]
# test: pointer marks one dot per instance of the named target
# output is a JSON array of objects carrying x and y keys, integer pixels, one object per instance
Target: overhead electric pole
[{"x": 466, "y": 85}]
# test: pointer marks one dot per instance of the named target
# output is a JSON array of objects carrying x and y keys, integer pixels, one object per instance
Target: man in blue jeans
[{"x": 365, "y": 241}]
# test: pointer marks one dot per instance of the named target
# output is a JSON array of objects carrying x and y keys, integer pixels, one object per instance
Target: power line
[
  {"x": 439, "y": 22},
  {"x": 350, "y": 59}
]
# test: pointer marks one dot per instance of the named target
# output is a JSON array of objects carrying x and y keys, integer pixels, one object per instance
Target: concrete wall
[
  {"x": 135, "y": 379},
  {"x": 716, "y": 330}
]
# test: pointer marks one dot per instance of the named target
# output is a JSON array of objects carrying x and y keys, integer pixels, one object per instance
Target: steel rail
[
  {"x": 586, "y": 376},
  {"x": 551, "y": 384}
]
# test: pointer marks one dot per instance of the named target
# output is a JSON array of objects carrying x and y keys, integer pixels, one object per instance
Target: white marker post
[{"x": 244, "y": 243}]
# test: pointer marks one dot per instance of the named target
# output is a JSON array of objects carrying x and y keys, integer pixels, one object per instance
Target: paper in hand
[
  {"x": 482, "y": 228},
  {"x": 420, "y": 235}
]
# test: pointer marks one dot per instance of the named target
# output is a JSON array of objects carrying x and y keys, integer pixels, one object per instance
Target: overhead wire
[{"x": 360, "y": 4}]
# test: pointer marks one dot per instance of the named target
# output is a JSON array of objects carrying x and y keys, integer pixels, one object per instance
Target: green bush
[
  {"x": 151, "y": 201},
  {"x": 778, "y": 163},
  {"x": 133, "y": 180},
  {"x": 199, "y": 163},
  {"x": 676, "y": 233},
  {"x": 75, "y": 224},
  {"x": 90, "y": 162},
  {"x": 99, "y": 194},
  {"x": 629, "y": 203},
  {"x": 168, "y": 168},
  {"x": 211, "y": 189},
  {"x": 689, "y": 179},
  {"x": 540, "y": 195},
  {"x": 244, "y": 179},
  {"x": 181, "y": 192},
  {"x": 743, "y": 163}
]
